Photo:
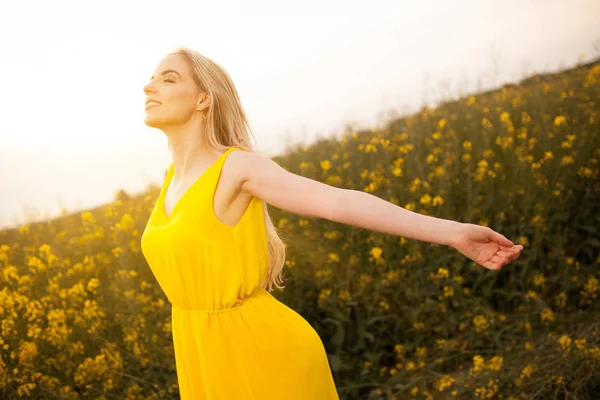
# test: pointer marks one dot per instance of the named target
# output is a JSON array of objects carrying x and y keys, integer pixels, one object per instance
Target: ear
[{"x": 201, "y": 105}]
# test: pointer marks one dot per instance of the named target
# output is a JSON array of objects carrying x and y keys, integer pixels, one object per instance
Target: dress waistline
[{"x": 258, "y": 292}]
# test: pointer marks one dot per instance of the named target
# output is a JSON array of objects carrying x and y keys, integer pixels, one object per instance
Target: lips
[{"x": 152, "y": 104}]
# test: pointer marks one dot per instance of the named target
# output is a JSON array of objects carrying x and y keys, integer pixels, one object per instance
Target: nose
[{"x": 148, "y": 88}]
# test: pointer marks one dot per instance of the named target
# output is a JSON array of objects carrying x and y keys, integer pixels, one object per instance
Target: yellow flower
[
  {"x": 364, "y": 280},
  {"x": 87, "y": 217},
  {"x": 580, "y": 344},
  {"x": 376, "y": 252},
  {"x": 539, "y": 280},
  {"x": 526, "y": 373},
  {"x": 444, "y": 382},
  {"x": 93, "y": 284},
  {"x": 127, "y": 222},
  {"x": 481, "y": 323},
  {"x": 565, "y": 342},
  {"x": 425, "y": 199},
  {"x": 478, "y": 365},
  {"x": 523, "y": 240},
  {"x": 547, "y": 315},
  {"x": 384, "y": 305},
  {"x": 559, "y": 120},
  {"x": 486, "y": 123},
  {"x": 442, "y": 273},
  {"x": 370, "y": 148},
  {"x": 304, "y": 165},
  {"x": 431, "y": 159},
  {"x": 323, "y": 296},
  {"x": 333, "y": 257},
  {"x": 323, "y": 273},
  {"x": 344, "y": 295},
  {"x": 28, "y": 351},
  {"x": 495, "y": 363}
]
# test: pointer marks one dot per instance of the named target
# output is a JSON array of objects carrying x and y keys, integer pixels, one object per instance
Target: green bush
[{"x": 82, "y": 315}]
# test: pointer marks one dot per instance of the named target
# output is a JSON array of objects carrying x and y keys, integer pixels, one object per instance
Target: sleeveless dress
[{"x": 232, "y": 339}]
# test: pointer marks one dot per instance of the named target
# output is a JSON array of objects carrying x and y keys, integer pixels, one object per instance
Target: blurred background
[
  {"x": 483, "y": 112},
  {"x": 72, "y": 73}
]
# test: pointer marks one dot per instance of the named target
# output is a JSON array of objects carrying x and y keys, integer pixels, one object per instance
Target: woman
[{"x": 216, "y": 254}]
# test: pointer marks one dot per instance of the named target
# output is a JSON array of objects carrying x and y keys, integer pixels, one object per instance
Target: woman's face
[{"x": 173, "y": 87}]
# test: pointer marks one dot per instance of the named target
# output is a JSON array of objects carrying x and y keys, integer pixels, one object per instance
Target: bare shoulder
[
  {"x": 260, "y": 176},
  {"x": 243, "y": 164},
  {"x": 257, "y": 175},
  {"x": 246, "y": 157}
]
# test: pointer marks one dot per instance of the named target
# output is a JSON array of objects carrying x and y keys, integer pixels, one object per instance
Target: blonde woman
[{"x": 216, "y": 254}]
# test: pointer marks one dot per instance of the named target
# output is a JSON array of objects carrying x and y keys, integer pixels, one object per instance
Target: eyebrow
[{"x": 166, "y": 72}]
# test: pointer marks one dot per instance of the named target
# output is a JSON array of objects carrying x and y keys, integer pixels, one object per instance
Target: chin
[{"x": 152, "y": 122}]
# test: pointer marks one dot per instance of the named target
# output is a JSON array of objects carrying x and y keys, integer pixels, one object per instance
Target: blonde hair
[{"x": 227, "y": 126}]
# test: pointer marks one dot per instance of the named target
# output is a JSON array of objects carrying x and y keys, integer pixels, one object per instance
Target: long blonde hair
[{"x": 227, "y": 126}]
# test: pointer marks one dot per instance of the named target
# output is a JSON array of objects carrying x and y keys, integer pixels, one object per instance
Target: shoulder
[
  {"x": 242, "y": 164},
  {"x": 242, "y": 159}
]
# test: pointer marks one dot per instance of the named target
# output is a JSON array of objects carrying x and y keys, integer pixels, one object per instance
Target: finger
[
  {"x": 498, "y": 258},
  {"x": 501, "y": 258},
  {"x": 517, "y": 247},
  {"x": 493, "y": 265},
  {"x": 499, "y": 238},
  {"x": 515, "y": 252}
]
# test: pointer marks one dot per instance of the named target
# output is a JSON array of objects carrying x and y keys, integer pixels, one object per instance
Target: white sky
[{"x": 72, "y": 73}]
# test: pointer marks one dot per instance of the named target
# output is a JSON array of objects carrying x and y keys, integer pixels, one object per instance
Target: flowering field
[{"x": 83, "y": 317}]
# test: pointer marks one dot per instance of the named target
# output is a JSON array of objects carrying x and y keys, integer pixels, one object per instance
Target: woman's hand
[{"x": 484, "y": 246}]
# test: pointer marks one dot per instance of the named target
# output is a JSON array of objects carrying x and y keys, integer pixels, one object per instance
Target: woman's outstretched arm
[
  {"x": 267, "y": 180},
  {"x": 368, "y": 211}
]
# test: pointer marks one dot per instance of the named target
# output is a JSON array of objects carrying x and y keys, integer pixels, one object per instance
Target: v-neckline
[{"x": 169, "y": 178}]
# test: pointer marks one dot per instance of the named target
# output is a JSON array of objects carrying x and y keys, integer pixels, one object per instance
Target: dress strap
[
  {"x": 216, "y": 172},
  {"x": 213, "y": 180}
]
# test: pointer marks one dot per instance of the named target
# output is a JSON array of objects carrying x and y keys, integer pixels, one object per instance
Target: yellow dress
[{"x": 232, "y": 339}]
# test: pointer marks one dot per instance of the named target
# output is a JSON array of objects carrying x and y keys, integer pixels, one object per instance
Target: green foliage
[
  {"x": 522, "y": 160},
  {"x": 83, "y": 317}
]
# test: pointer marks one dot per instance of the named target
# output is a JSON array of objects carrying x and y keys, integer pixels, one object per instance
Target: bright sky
[{"x": 72, "y": 73}]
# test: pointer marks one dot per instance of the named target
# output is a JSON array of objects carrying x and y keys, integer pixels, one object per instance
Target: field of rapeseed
[{"x": 81, "y": 315}]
